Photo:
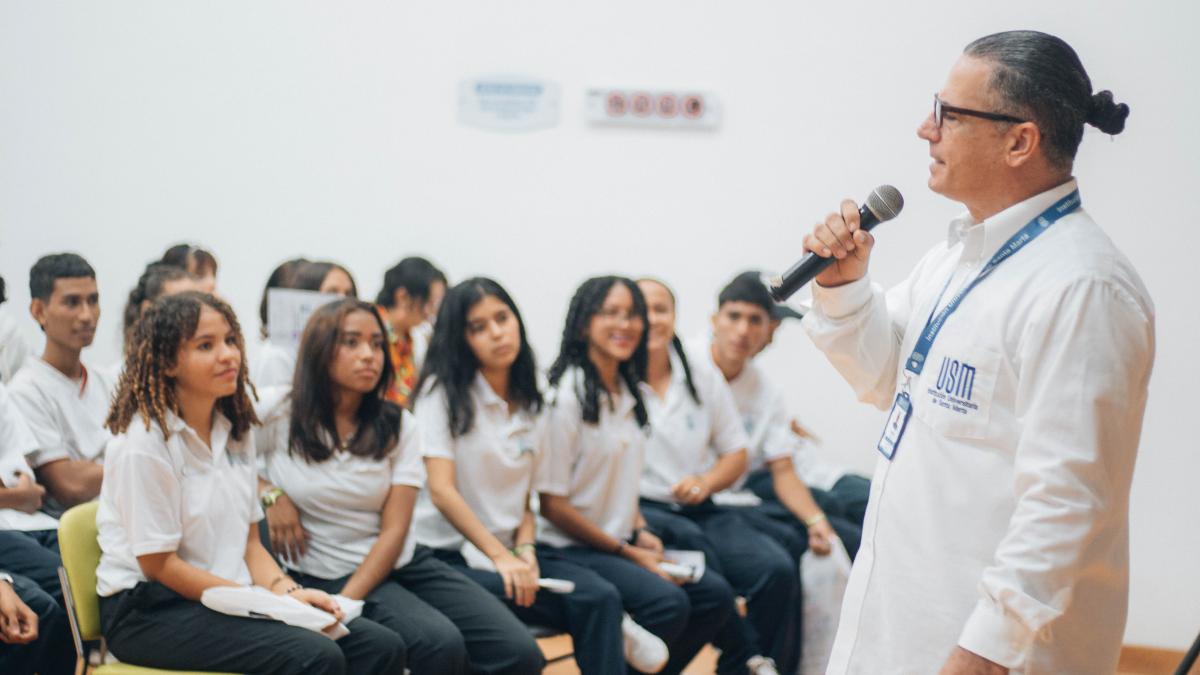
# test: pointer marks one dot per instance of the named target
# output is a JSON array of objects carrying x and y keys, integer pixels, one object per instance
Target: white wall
[{"x": 267, "y": 130}]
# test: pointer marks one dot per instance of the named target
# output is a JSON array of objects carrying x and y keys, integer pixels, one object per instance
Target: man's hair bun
[{"x": 1107, "y": 115}]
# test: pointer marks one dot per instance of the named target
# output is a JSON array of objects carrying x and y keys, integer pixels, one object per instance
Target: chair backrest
[{"x": 80, "y": 557}]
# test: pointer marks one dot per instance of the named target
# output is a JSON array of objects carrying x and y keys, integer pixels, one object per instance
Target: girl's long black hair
[
  {"x": 451, "y": 364},
  {"x": 676, "y": 343},
  {"x": 313, "y": 425},
  {"x": 573, "y": 351}
]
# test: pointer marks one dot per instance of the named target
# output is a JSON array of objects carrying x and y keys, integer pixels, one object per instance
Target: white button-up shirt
[
  {"x": 686, "y": 437},
  {"x": 1001, "y": 524},
  {"x": 340, "y": 499},
  {"x": 15, "y": 443},
  {"x": 494, "y": 464},
  {"x": 174, "y": 493},
  {"x": 597, "y": 467}
]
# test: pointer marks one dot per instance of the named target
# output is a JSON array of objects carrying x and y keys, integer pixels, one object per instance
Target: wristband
[
  {"x": 293, "y": 589},
  {"x": 809, "y": 522},
  {"x": 269, "y": 497},
  {"x": 521, "y": 548}
]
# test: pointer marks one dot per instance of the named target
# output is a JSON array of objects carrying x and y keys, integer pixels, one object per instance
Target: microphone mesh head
[{"x": 885, "y": 202}]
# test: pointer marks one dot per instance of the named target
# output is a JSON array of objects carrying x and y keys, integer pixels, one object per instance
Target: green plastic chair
[{"x": 80, "y": 557}]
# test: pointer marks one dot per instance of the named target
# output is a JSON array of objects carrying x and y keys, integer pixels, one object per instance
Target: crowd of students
[{"x": 409, "y": 454}]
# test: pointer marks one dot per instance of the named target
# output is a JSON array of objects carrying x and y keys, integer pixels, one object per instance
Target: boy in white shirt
[{"x": 62, "y": 401}]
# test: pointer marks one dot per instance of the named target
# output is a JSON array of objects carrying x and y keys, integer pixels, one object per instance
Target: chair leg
[{"x": 69, "y": 600}]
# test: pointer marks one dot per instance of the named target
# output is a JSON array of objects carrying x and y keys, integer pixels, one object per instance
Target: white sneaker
[
  {"x": 761, "y": 665},
  {"x": 643, "y": 649}
]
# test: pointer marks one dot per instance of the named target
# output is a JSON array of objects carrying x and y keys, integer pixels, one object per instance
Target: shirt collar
[
  {"x": 219, "y": 436},
  {"x": 985, "y": 238},
  {"x": 487, "y": 396}
]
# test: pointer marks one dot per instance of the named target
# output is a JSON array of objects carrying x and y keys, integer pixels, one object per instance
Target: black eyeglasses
[{"x": 939, "y": 109}]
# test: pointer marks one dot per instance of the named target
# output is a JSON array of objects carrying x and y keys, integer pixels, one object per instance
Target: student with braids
[
  {"x": 178, "y": 513},
  {"x": 697, "y": 447},
  {"x": 595, "y": 437},
  {"x": 479, "y": 412},
  {"x": 342, "y": 472}
]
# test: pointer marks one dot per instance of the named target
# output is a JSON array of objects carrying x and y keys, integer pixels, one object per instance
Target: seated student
[
  {"x": 342, "y": 473},
  {"x": 157, "y": 280},
  {"x": 408, "y": 302},
  {"x": 274, "y": 364},
  {"x": 196, "y": 261},
  {"x": 178, "y": 513},
  {"x": 34, "y": 634},
  {"x": 595, "y": 441},
  {"x": 63, "y": 401},
  {"x": 697, "y": 447},
  {"x": 781, "y": 464},
  {"x": 478, "y": 413},
  {"x": 28, "y": 538},
  {"x": 13, "y": 345}
]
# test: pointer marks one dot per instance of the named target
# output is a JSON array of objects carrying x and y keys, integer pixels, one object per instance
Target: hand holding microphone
[{"x": 838, "y": 248}]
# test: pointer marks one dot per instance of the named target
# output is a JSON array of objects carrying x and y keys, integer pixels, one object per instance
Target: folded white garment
[
  {"x": 256, "y": 602},
  {"x": 478, "y": 560},
  {"x": 736, "y": 498},
  {"x": 686, "y": 565}
]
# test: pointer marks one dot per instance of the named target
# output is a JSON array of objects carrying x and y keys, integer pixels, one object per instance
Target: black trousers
[
  {"x": 33, "y": 555},
  {"x": 591, "y": 614},
  {"x": 448, "y": 623},
  {"x": 845, "y": 505},
  {"x": 151, "y": 625},
  {"x": 53, "y": 652},
  {"x": 685, "y": 617},
  {"x": 757, "y": 567}
]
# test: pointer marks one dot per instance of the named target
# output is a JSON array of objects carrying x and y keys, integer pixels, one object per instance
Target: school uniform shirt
[
  {"x": 16, "y": 442},
  {"x": 597, "y": 467},
  {"x": 494, "y": 464},
  {"x": 14, "y": 346},
  {"x": 174, "y": 493},
  {"x": 341, "y": 499},
  {"x": 273, "y": 366},
  {"x": 1001, "y": 523},
  {"x": 686, "y": 437},
  {"x": 764, "y": 416},
  {"x": 66, "y": 416}
]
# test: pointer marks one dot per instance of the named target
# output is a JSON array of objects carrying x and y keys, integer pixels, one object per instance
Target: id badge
[{"x": 896, "y": 423}]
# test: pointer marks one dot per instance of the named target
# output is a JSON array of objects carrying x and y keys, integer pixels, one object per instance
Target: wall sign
[
  {"x": 508, "y": 104},
  {"x": 661, "y": 109}
]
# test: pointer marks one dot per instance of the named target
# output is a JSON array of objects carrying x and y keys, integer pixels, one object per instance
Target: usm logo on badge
[{"x": 954, "y": 387}]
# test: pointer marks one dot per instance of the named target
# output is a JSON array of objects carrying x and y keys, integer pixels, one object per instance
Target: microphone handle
[{"x": 808, "y": 267}]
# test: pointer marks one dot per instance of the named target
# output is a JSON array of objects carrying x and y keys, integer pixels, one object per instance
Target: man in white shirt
[
  {"x": 13, "y": 346},
  {"x": 1015, "y": 360},
  {"x": 63, "y": 402}
]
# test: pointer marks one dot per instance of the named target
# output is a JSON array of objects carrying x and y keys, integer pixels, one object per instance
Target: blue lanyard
[{"x": 1018, "y": 241}]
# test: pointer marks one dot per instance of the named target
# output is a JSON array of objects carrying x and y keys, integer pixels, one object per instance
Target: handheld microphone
[{"x": 883, "y": 204}]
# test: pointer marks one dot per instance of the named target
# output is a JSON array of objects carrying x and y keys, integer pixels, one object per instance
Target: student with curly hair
[{"x": 178, "y": 513}]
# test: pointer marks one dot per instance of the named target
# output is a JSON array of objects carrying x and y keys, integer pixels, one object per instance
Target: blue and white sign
[{"x": 508, "y": 104}]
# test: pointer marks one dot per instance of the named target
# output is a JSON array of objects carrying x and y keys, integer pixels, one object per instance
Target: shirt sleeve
[
  {"x": 557, "y": 443},
  {"x": 147, "y": 496},
  {"x": 778, "y": 440},
  {"x": 407, "y": 468},
  {"x": 16, "y": 441},
  {"x": 727, "y": 434},
  {"x": 859, "y": 327},
  {"x": 433, "y": 424},
  {"x": 39, "y": 417},
  {"x": 1085, "y": 360}
]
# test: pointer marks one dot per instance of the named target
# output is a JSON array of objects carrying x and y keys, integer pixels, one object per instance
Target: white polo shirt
[
  {"x": 686, "y": 437},
  {"x": 66, "y": 416},
  {"x": 598, "y": 467},
  {"x": 766, "y": 420},
  {"x": 341, "y": 499},
  {"x": 14, "y": 347},
  {"x": 1002, "y": 522},
  {"x": 176, "y": 494},
  {"x": 16, "y": 442},
  {"x": 494, "y": 464},
  {"x": 273, "y": 366}
]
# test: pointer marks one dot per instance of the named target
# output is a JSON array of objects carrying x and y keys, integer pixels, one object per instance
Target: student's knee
[
  {"x": 447, "y": 651},
  {"x": 598, "y": 596},
  {"x": 526, "y": 657},
  {"x": 320, "y": 657}
]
